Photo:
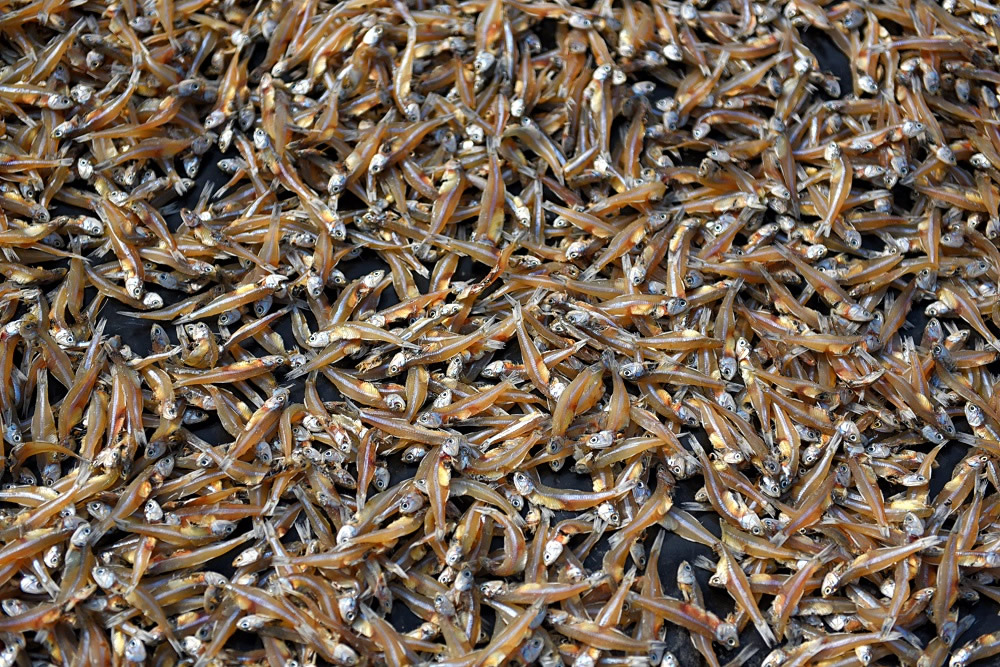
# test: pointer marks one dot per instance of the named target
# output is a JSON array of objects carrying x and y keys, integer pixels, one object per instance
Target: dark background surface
[{"x": 135, "y": 333}]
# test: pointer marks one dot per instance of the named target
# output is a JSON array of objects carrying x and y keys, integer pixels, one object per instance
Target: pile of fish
[{"x": 644, "y": 272}]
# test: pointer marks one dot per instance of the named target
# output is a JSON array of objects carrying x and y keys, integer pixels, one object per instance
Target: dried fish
[{"x": 458, "y": 309}]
